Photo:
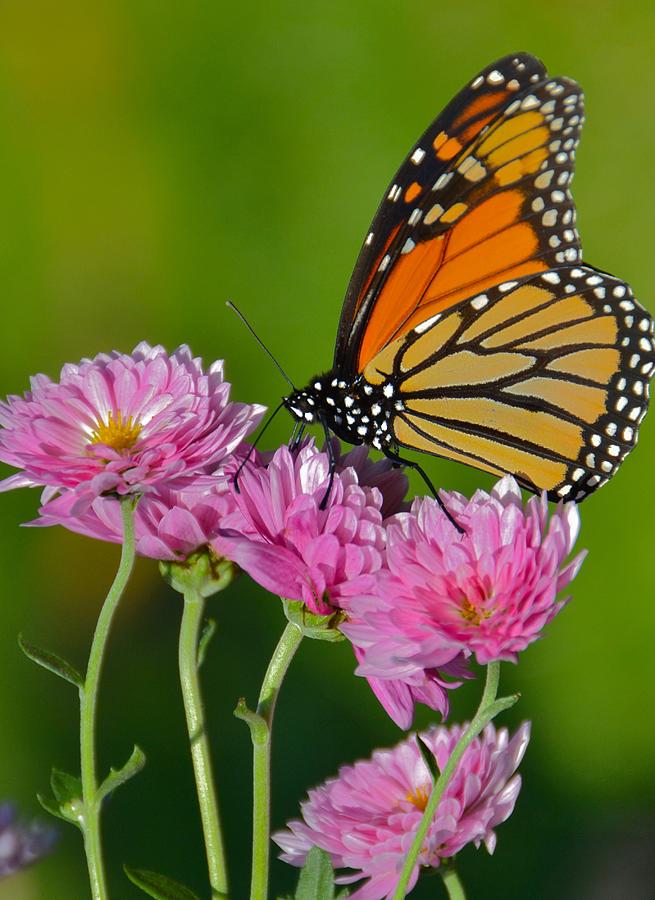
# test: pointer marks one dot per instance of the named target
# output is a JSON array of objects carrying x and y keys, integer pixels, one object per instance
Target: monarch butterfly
[{"x": 471, "y": 329}]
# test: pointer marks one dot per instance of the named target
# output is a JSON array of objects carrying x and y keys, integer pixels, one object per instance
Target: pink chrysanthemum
[
  {"x": 488, "y": 592},
  {"x": 122, "y": 424},
  {"x": 367, "y": 816},
  {"x": 292, "y": 547},
  {"x": 168, "y": 524}
]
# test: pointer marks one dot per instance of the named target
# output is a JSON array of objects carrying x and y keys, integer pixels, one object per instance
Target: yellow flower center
[
  {"x": 419, "y": 797},
  {"x": 116, "y": 432},
  {"x": 471, "y": 613}
]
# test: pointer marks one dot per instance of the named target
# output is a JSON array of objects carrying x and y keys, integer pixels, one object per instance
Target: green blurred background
[{"x": 158, "y": 158}]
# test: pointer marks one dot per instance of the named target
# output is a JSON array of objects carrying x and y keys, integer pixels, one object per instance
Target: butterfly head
[{"x": 304, "y": 405}]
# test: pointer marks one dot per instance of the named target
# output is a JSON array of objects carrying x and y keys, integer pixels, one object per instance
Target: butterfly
[{"x": 471, "y": 329}]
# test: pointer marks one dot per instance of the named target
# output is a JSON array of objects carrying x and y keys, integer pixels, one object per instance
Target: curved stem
[
  {"x": 452, "y": 883},
  {"x": 488, "y": 708},
  {"x": 91, "y": 801},
  {"x": 194, "y": 605},
  {"x": 261, "y": 724}
]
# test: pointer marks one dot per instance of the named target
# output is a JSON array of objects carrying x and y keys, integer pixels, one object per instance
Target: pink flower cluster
[
  {"x": 419, "y": 596},
  {"x": 366, "y": 817}
]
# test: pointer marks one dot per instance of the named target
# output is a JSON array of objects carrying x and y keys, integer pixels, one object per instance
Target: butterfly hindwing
[
  {"x": 545, "y": 377},
  {"x": 483, "y": 197}
]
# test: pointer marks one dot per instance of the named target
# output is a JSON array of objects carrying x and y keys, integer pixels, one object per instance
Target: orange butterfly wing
[{"x": 482, "y": 198}]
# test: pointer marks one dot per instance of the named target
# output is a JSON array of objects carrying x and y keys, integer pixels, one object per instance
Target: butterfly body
[
  {"x": 356, "y": 411},
  {"x": 471, "y": 329}
]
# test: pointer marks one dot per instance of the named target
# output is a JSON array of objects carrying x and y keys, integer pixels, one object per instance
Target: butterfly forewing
[
  {"x": 483, "y": 197},
  {"x": 546, "y": 378}
]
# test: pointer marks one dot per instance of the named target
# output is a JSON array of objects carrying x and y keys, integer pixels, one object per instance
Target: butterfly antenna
[
  {"x": 261, "y": 343},
  {"x": 252, "y": 447}
]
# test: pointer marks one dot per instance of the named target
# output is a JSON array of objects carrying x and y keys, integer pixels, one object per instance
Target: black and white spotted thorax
[{"x": 356, "y": 411}]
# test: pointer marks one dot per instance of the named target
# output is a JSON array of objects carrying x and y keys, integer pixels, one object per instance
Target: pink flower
[
  {"x": 390, "y": 480},
  {"x": 292, "y": 547},
  {"x": 169, "y": 524},
  {"x": 122, "y": 424},
  {"x": 488, "y": 592},
  {"x": 398, "y": 695},
  {"x": 366, "y": 817}
]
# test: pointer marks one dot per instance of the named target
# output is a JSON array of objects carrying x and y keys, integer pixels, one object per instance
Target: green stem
[
  {"x": 91, "y": 800},
  {"x": 194, "y": 605},
  {"x": 488, "y": 708},
  {"x": 452, "y": 883},
  {"x": 261, "y": 724}
]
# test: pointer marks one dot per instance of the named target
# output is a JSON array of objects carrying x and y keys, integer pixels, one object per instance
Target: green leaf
[
  {"x": 161, "y": 887},
  {"x": 51, "y": 661},
  {"x": 51, "y": 807},
  {"x": 117, "y": 777},
  {"x": 67, "y": 802},
  {"x": 66, "y": 788},
  {"x": 208, "y": 632},
  {"x": 316, "y": 880}
]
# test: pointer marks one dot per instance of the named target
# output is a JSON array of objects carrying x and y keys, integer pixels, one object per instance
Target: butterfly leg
[
  {"x": 296, "y": 436},
  {"x": 394, "y": 457},
  {"x": 332, "y": 460}
]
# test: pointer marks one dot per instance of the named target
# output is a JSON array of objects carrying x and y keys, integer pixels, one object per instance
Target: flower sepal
[
  {"x": 319, "y": 628},
  {"x": 203, "y": 572}
]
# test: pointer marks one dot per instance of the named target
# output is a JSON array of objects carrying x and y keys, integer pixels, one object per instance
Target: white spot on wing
[
  {"x": 529, "y": 102},
  {"x": 423, "y": 326}
]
